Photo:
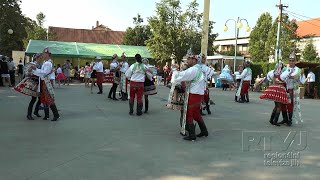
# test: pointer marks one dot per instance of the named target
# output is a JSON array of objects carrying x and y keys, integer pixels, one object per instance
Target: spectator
[
  {"x": 5, "y": 72},
  {"x": 166, "y": 72},
  {"x": 66, "y": 70},
  {"x": 311, "y": 79},
  {"x": 20, "y": 70},
  {"x": 12, "y": 70},
  {"x": 159, "y": 76}
]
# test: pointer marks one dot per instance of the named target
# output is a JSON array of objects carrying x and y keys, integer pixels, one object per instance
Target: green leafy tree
[
  {"x": 11, "y": 18},
  {"x": 175, "y": 31},
  {"x": 288, "y": 37},
  {"x": 139, "y": 34},
  {"x": 36, "y": 30},
  {"x": 310, "y": 52},
  {"x": 258, "y": 38}
]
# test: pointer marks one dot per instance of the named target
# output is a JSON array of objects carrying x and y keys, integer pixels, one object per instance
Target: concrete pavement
[{"x": 96, "y": 138}]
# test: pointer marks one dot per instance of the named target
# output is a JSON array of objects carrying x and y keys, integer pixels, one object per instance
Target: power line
[
  {"x": 302, "y": 15},
  {"x": 305, "y": 21}
]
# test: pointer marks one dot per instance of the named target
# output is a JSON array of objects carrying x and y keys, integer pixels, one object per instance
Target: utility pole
[
  {"x": 278, "y": 50},
  {"x": 205, "y": 28}
]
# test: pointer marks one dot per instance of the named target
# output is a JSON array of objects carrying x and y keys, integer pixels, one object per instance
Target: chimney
[
  {"x": 97, "y": 24},
  {"x": 92, "y": 27}
]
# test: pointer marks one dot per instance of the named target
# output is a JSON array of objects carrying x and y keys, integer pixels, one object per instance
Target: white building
[{"x": 308, "y": 29}]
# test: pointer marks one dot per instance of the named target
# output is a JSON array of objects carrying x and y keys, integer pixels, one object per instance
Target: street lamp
[
  {"x": 238, "y": 24},
  {"x": 10, "y": 31}
]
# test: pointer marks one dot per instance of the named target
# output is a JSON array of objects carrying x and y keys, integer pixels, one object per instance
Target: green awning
[{"x": 85, "y": 50}]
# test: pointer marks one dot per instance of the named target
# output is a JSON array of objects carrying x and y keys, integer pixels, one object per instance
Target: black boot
[
  {"x": 114, "y": 93},
  {"x": 100, "y": 89},
  {"x": 123, "y": 98},
  {"x": 36, "y": 109},
  {"x": 276, "y": 117},
  {"x": 285, "y": 117},
  {"x": 202, "y": 114},
  {"x": 146, "y": 106},
  {"x": 36, "y": 112},
  {"x": 139, "y": 109},
  {"x": 46, "y": 113},
  {"x": 235, "y": 98},
  {"x": 272, "y": 117},
  {"x": 131, "y": 108},
  {"x": 242, "y": 100},
  {"x": 110, "y": 93},
  {"x": 29, "y": 116},
  {"x": 54, "y": 110},
  {"x": 208, "y": 107},
  {"x": 247, "y": 97},
  {"x": 192, "y": 135},
  {"x": 290, "y": 119},
  {"x": 203, "y": 128}
]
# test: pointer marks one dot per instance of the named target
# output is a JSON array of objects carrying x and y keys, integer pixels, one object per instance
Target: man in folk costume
[
  {"x": 46, "y": 89},
  {"x": 136, "y": 73},
  {"x": 195, "y": 76},
  {"x": 123, "y": 80},
  {"x": 246, "y": 77},
  {"x": 207, "y": 73},
  {"x": 98, "y": 67},
  {"x": 114, "y": 68},
  {"x": 149, "y": 87},
  {"x": 292, "y": 78}
]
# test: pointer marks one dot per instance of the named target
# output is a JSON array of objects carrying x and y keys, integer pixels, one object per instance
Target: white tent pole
[{"x": 78, "y": 54}]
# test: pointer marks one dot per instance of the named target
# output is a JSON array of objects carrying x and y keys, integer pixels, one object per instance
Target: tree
[
  {"x": 310, "y": 52},
  {"x": 36, "y": 30},
  {"x": 11, "y": 18},
  {"x": 258, "y": 38},
  {"x": 139, "y": 34},
  {"x": 288, "y": 37},
  {"x": 175, "y": 31}
]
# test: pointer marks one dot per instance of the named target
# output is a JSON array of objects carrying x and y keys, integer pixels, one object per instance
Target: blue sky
[{"x": 118, "y": 14}]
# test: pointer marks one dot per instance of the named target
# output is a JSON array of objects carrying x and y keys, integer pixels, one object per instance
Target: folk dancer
[
  {"x": 136, "y": 73},
  {"x": 46, "y": 89},
  {"x": 98, "y": 66},
  {"x": 29, "y": 86},
  {"x": 195, "y": 76},
  {"x": 149, "y": 87},
  {"x": 123, "y": 80},
  {"x": 292, "y": 79},
  {"x": 276, "y": 92},
  {"x": 114, "y": 68},
  {"x": 207, "y": 73},
  {"x": 93, "y": 75},
  {"x": 246, "y": 77},
  {"x": 238, "y": 80},
  {"x": 225, "y": 77},
  {"x": 166, "y": 72}
]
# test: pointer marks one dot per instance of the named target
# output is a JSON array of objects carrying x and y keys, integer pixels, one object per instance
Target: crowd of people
[{"x": 136, "y": 82}]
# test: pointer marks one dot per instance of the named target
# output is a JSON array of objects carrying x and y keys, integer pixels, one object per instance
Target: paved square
[{"x": 96, "y": 138}]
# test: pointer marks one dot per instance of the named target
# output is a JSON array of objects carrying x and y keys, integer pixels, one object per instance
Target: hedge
[
  {"x": 317, "y": 73},
  {"x": 259, "y": 68}
]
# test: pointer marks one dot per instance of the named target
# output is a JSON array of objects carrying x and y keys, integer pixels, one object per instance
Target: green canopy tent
[{"x": 85, "y": 50}]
